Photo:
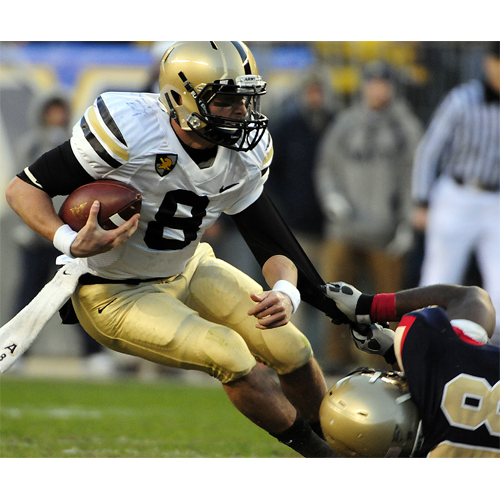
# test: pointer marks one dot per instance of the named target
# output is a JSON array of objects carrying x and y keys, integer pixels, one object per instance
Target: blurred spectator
[
  {"x": 7, "y": 162},
  {"x": 363, "y": 179},
  {"x": 456, "y": 184},
  {"x": 296, "y": 133},
  {"x": 50, "y": 127}
]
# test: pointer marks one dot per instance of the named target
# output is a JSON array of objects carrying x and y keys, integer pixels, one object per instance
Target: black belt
[
  {"x": 90, "y": 279},
  {"x": 477, "y": 184}
]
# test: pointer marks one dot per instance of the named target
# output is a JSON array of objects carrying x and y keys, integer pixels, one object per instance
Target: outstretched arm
[{"x": 459, "y": 302}]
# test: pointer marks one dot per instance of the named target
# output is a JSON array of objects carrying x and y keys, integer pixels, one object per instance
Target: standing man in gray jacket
[{"x": 363, "y": 178}]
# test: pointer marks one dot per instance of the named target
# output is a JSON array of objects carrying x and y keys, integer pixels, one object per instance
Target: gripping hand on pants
[{"x": 354, "y": 304}]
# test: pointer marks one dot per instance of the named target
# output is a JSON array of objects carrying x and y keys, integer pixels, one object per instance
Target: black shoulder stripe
[
  {"x": 244, "y": 58},
  {"x": 108, "y": 120},
  {"x": 97, "y": 146}
]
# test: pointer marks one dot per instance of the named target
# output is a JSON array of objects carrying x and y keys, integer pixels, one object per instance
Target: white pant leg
[
  {"x": 488, "y": 253},
  {"x": 450, "y": 235}
]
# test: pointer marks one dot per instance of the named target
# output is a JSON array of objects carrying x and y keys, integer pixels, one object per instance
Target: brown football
[{"x": 119, "y": 202}]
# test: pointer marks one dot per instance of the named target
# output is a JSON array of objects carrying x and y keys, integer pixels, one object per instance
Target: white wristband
[
  {"x": 63, "y": 239},
  {"x": 287, "y": 288}
]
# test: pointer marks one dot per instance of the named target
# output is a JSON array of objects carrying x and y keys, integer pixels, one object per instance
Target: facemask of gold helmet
[
  {"x": 192, "y": 74},
  {"x": 370, "y": 414}
]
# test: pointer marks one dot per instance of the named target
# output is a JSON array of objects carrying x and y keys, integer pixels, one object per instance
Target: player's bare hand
[
  {"x": 92, "y": 239},
  {"x": 272, "y": 309}
]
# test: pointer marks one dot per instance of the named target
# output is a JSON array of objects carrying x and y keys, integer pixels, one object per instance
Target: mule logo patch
[{"x": 164, "y": 164}]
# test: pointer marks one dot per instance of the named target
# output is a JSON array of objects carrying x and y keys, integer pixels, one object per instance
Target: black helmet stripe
[{"x": 244, "y": 58}]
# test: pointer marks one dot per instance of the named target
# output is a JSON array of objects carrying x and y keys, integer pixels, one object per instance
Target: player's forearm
[
  {"x": 444, "y": 296},
  {"x": 274, "y": 308},
  {"x": 459, "y": 302},
  {"x": 34, "y": 206},
  {"x": 281, "y": 275},
  {"x": 279, "y": 267},
  {"x": 393, "y": 306}
]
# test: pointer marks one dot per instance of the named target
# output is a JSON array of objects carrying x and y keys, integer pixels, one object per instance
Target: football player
[
  {"x": 451, "y": 370},
  {"x": 151, "y": 289}
]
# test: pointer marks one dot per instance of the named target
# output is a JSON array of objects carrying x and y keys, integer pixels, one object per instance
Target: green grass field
[
  {"x": 161, "y": 420},
  {"x": 125, "y": 418}
]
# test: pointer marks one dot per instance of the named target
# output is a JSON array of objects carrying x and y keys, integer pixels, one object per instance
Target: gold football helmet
[
  {"x": 370, "y": 414},
  {"x": 193, "y": 73}
]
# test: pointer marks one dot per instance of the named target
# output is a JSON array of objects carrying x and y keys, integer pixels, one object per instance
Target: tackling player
[
  {"x": 451, "y": 370},
  {"x": 198, "y": 149}
]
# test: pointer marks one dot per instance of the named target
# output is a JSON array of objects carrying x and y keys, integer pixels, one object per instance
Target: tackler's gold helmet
[
  {"x": 370, "y": 414},
  {"x": 193, "y": 73}
]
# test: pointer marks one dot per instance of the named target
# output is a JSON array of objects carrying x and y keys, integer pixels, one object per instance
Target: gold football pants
[{"x": 196, "y": 320}]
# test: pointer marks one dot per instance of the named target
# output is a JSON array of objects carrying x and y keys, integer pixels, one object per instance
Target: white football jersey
[{"x": 128, "y": 137}]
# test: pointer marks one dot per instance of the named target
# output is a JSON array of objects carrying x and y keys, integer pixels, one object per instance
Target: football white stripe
[{"x": 117, "y": 220}]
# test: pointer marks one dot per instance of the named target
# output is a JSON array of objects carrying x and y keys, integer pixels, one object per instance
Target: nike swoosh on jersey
[
  {"x": 101, "y": 309},
  {"x": 225, "y": 188}
]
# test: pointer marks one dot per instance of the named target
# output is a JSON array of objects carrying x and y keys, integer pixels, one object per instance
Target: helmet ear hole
[{"x": 177, "y": 98}]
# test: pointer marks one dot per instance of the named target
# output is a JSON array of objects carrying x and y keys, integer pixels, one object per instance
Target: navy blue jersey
[{"x": 454, "y": 382}]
